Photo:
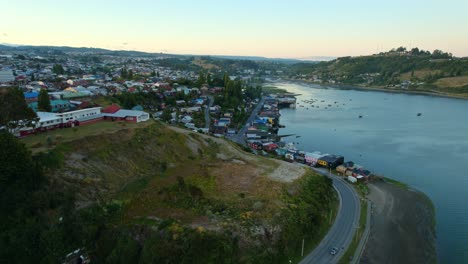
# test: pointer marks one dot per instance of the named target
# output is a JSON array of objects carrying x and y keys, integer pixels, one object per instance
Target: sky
[{"x": 274, "y": 28}]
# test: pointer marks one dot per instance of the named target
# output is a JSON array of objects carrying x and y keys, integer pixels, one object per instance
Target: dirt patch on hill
[
  {"x": 283, "y": 171},
  {"x": 401, "y": 226}
]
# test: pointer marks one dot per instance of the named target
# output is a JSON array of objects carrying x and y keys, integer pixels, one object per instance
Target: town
[{"x": 86, "y": 89}]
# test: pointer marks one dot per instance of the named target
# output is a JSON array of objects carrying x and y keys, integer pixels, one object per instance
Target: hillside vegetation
[
  {"x": 413, "y": 69},
  {"x": 158, "y": 194}
]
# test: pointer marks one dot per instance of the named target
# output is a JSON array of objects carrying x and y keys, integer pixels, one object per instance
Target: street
[
  {"x": 240, "y": 136},
  {"x": 346, "y": 223}
]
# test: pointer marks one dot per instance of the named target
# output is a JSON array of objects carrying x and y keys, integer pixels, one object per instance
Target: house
[
  {"x": 231, "y": 131},
  {"x": 6, "y": 76},
  {"x": 31, "y": 97},
  {"x": 219, "y": 130},
  {"x": 128, "y": 115},
  {"x": 57, "y": 105},
  {"x": 186, "y": 119},
  {"x": 330, "y": 161},
  {"x": 270, "y": 147},
  {"x": 257, "y": 145},
  {"x": 311, "y": 158}
]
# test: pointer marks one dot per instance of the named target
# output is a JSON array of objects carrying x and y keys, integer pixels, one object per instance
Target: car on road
[{"x": 333, "y": 251}]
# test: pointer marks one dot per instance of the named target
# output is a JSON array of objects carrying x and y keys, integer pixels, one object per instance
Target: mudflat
[{"x": 402, "y": 229}]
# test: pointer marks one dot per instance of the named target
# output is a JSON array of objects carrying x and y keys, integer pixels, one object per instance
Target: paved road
[
  {"x": 207, "y": 111},
  {"x": 341, "y": 233},
  {"x": 240, "y": 136}
]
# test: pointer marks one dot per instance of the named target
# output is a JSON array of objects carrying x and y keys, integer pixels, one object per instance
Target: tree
[
  {"x": 18, "y": 173},
  {"x": 208, "y": 79},
  {"x": 123, "y": 73},
  {"x": 58, "y": 69},
  {"x": 166, "y": 114},
  {"x": 201, "y": 80},
  {"x": 43, "y": 103},
  {"x": 226, "y": 79},
  {"x": 14, "y": 111}
]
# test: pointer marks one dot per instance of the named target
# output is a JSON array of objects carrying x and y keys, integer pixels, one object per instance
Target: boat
[{"x": 419, "y": 114}]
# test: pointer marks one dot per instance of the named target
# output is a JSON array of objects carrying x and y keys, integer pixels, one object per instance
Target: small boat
[
  {"x": 419, "y": 114},
  {"x": 298, "y": 136},
  {"x": 360, "y": 116}
]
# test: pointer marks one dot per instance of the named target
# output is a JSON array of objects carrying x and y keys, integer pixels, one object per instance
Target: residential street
[
  {"x": 207, "y": 111},
  {"x": 240, "y": 136},
  {"x": 341, "y": 233}
]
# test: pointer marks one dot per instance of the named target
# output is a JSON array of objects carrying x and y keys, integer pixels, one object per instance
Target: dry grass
[
  {"x": 204, "y": 64},
  {"x": 458, "y": 81},
  {"x": 39, "y": 142},
  {"x": 420, "y": 74},
  {"x": 130, "y": 172}
]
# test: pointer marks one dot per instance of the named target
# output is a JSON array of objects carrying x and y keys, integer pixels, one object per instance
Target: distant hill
[
  {"x": 61, "y": 50},
  {"x": 65, "y": 49},
  {"x": 414, "y": 69}
]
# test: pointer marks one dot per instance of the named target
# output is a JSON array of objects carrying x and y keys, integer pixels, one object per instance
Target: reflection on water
[{"x": 428, "y": 151}]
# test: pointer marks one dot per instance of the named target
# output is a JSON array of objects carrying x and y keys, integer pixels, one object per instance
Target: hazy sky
[{"x": 286, "y": 28}]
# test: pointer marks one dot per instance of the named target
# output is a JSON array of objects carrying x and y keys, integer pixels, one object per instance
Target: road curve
[{"x": 342, "y": 231}]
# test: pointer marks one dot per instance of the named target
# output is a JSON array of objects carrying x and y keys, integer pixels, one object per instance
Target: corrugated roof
[
  {"x": 124, "y": 113},
  {"x": 111, "y": 109}
]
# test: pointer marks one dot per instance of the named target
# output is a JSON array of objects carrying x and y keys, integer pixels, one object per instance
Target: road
[
  {"x": 346, "y": 222},
  {"x": 207, "y": 111},
  {"x": 342, "y": 231},
  {"x": 240, "y": 136}
]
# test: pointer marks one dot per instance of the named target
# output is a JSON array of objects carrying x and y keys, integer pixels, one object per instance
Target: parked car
[{"x": 333, "y": 251}]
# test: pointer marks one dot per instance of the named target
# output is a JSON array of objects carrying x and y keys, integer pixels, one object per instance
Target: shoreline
[
  {"x": 378, "y": 89},
  {"x": 400, "y": 232},
  {"x": 413, "y": 224}
]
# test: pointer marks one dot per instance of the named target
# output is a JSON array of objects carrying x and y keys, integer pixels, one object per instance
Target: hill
[
  {"x": 156, "y": 194},
  {"x": 400, "y": 69}
]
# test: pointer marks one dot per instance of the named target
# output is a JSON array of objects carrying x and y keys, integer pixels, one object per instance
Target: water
[{"x": 428, "y": 152}]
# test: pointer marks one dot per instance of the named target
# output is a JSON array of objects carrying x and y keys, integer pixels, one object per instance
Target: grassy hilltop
[{"x": 152, "y": 193}]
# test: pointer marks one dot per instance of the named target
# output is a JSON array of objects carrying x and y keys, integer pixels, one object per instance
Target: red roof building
[{"x": 111, "y": 109}]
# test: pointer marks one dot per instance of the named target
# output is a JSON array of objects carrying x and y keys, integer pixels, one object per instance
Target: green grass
[
  {"x": 348, "y": 255},
  {"x": 312, "y": 244},
  {"x": 362, "y": 189},
  {"x": 397, "y": 183},
  {"x": 273, "y": 90},
  {"x": 40, "y": 141}
]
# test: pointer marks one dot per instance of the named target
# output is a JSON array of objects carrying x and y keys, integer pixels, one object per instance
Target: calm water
[{"x": 429, "y": 152}]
